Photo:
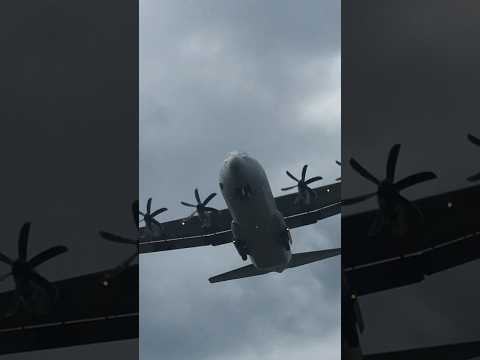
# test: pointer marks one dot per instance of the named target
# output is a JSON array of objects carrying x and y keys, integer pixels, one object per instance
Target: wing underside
[
  {"x": 412, "y": 268},
  {"x": 460, "y": 351},
  {"x": 187, "y": 233}
]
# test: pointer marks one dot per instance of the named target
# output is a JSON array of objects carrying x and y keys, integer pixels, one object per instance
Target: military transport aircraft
[
  {"x": 257, "y": 223},
  {"x": 449, "y": 236},
  {"x": 101, "y": 306},
  {"x": 41, "y": 314}
]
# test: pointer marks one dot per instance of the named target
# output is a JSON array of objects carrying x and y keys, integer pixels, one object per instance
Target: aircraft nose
[{"x": 235, "y": 165}]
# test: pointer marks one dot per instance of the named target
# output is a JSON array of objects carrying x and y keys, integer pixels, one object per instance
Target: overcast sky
[
  {"x": 217, "y": 76},
  {"x": 411, "y": 77}
]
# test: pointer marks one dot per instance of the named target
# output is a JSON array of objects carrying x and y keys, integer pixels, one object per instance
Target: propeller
[
  {"x": 124, "y": 264},
  {"x": 136, "y": 213},
  {"x": 476, "y": 141},
  {"x": 201, "y": 207},
  {"x": 23, "y": 270},
  {"x": 149, "y": 216},
  {"x": 123, "y": 240},
  {"x": 388, "y": 191},
  {"x": 339, "y": 164},
  {"x": 304, "y": 190}
]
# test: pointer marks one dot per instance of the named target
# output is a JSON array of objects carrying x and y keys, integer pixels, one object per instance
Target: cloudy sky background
[
  {"x": 411, "y": 77},
  {"x": 263, "y": 77}
]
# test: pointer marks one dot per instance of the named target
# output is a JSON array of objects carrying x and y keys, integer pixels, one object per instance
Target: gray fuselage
[{"x": 256, "y": 219}]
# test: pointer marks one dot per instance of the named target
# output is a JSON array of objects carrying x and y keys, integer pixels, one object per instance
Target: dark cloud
[
  {"x": 410, "y": 76},
  {"x": 217, "y": 77}
]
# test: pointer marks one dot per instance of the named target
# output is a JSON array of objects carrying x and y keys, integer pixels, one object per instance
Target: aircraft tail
[
  {"x": 312, "y": 256},
  {"x": 242, "y": 272},
  {"x": 297, "y": 260}
]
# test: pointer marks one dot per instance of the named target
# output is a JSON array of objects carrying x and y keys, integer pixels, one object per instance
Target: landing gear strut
[
  {"x": 285, "y": 239},
  {"x": 241, "y": 248}
]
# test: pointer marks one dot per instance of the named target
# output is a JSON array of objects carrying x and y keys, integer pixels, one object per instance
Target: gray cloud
[{"x": 260, "y": 77}]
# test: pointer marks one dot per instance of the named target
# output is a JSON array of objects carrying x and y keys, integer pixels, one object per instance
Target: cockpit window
[{"x": 244, "y": 192}]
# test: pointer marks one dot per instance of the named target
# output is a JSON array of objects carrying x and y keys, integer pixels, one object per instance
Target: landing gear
[
  {"x": 285, "y": 239},
  {"x": 241, "y": 248}
]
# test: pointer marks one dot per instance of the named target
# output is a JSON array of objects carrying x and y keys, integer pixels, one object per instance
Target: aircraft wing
[
  {"x": 460, "y": 351},
  {"x": 325, "y": 205},
  {"x": 448, "y": 216},
  {"x": 182, "y": 233},
  {"x": 187, "y": 228},
  {"x": 186, "y": 233},
  {"x": 413, "y": 268},
  {"x": 91, "y": 308},
  {"x": 454, "y": 239},
  {"x": 213, "y": 239}
]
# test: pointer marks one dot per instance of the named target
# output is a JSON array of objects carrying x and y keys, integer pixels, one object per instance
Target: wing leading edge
[{"x": 181, "y": 234}]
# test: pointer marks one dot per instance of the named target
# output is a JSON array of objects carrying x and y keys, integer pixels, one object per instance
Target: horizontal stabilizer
[
  {"x": 297, "y": 260},
  {"x": 312, "y": 256},
  {"x": 239, "y": 273}
]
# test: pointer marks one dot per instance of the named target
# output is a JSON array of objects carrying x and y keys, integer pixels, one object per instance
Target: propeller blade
[
  {"x": 136, "y": 213},
  {"x": 304, "y": 172},
  {"x": 289, "y": 188},
  {"x": 125, "y": 263},
  {"x": 149, "y": 205},
  {"x": 5, "y": 259},
  {"x": 210, "y": 197},
  {"x": 46, "y": 255},
  {"x": 413, "y": 212},
  {"x": 338, "y": 179},
  {"x": 187, "y": 204},
  {"x": 474, "y": 139},
  {"x": 377, "y": 225},
  {"x": 192, "y": 215},
  {"x": 4, "y": 277},
  {"x": 115, "y": 238},
  {"x": 475, "y": 177},
  {"x": 362, "y": 171},
  {"x": 197, "y": 196},
  {"x": 141, "y": 213},
  {"x": 415, "y": 179},
  {"x": 156, "y": 223},
  {"x": 210, "y": 209},
  {"x": 358, "y": 315},
  {"x": 338, "y": 163},
  {"x": 357, "y": 199},
  {"x": 292, "y": 177},
  {"x": 41, "y": 281},
  {"x": 313, "y": 179},
  {"x": 23, "y": 241},
  {"x": 307, "y": 196},
  {"x": 392, "y": 162},
  {"x": 159, "y": 211}
]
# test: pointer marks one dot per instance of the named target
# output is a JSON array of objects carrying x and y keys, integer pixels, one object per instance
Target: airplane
[
  {"x": 395, "y": 211},
  {"x": 257, "y": 223},
  {"x": 32, "y": 292},
  {"x": 87, "y": 311},
  {"x": 41, "y": 314},
  {"x": 449, "y": 237},
  {"x": 92, "y": 310}
]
